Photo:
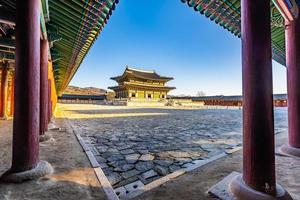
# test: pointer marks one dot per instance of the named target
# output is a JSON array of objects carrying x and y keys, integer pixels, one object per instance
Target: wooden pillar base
[
  {"x": 287, "y": 150},
  {"x": 42, "y": 169},
  {"x": 243, "y": 192}
]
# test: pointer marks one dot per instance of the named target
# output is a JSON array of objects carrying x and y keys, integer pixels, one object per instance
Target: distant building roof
[
  {"x": 145, "y": 74},
  {"x": 220, "y": 97},
  {"x": 82, "y": 97}
]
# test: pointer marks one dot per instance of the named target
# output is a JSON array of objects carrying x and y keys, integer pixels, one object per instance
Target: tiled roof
[
  {"x": 145, "y": 74},
  {"x": 72, "y": 28}
]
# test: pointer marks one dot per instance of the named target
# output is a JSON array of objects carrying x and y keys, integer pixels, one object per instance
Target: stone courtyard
[{"x": 141, "y": 145}]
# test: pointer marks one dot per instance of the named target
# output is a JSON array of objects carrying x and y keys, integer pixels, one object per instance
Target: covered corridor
[{"x": 42, "y": 44}]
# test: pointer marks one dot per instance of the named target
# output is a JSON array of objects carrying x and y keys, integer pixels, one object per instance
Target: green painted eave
[
  {"x": 227, "y": 14},
  {"x": 78, "y": 24}
]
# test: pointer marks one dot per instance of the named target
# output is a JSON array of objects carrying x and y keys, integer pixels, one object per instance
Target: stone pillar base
[
  {"x": 43, "y": 168},
  {"x": 243, "y": 192},
  {"x": 45, "y": 137},
  {"x": 289, "y": 151}
]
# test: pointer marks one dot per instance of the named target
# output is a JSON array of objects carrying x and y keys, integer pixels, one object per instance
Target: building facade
[
  {"x": 141, "y": 84},
  {"x": 279, "y": 100}
]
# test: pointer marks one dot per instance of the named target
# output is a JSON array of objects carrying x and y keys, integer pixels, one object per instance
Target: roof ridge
[{"x": 140, "y": 70}]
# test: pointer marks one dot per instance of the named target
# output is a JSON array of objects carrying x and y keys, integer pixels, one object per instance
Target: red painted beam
[
  {"x": 258, "y": 119},
  {"x": 288, "y": 13},
  {"x": 7, "y": 17}
]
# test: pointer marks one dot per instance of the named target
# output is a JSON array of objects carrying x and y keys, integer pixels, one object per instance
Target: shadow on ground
[
  {"x": 194, "y": 185},
  {"x": 73, "y": 177}
]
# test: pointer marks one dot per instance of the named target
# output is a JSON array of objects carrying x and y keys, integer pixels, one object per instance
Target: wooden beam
[
  {"x": 7, "y": 17},
  {"x": 288, "y": 9},
  {"x": 7, "y": 43},
  {"x": 7, "y": 56}
]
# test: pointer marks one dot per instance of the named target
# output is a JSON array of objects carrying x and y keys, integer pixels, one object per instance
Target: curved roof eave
[
  {"x": 226, "y": 13},
  {"x": 78, "y": 23}
]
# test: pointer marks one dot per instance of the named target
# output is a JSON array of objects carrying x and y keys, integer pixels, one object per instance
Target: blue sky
[{"x": 173, "y": 39}]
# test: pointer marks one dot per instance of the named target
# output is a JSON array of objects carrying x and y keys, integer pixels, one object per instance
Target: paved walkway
[
  {"x": 140, "y": 145},
  {"x": 194, "y": 185},
  {"x": 73, "y": 177}
]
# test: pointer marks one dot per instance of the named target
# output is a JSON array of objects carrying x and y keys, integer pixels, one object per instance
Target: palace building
[{"x": 136, "y": 83}]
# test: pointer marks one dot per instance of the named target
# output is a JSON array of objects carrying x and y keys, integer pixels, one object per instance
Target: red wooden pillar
[
  {"x": 44, "y": 88},
  {"x": 12, "y": 92},
  {"x": 27, "y": 87},
  {"x": 258, "y": 179},
  {"x": 49, "y": 101},
  {"x": 4, "y": 84},
  {"x": 293, "y": 87},
  {"x": 1, "y": 65},
  {"x": 258, "y": 119},
  {"x": 25, "y": 156}
]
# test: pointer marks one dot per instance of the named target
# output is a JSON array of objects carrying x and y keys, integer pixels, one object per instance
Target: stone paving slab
[
  {"x": 127, "y": 148},
  {"x": 221, "y": 189}
]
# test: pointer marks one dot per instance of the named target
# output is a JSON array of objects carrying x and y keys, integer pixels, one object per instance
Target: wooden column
[
  {"x": 1, "y": 87},
  {"x": 293, "y": 78},
  {"x": 44, "y": 88},
  {"x": 25, "y": 156},
  {"x": 12, "y": 92},
  {"x": 4, "y": 87},
  {"x": 293, "y": 86},
  {"x": 27, "y": 87},
  {"x": 258, "y": 116},
  {"x": 258, "y": 180},
  {"x": 49, "y": 101}
]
